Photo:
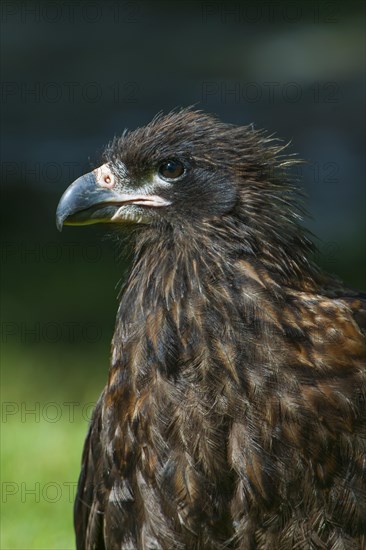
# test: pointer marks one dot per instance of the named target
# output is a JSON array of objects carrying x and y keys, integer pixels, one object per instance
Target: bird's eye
[{"x": 171, "y": 169}]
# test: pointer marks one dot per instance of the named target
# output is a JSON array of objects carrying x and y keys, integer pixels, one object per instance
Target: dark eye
[{"x": 171, "y": 169}]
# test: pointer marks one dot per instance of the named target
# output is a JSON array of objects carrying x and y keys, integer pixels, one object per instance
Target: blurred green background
[{"x": 77, "y": 73}]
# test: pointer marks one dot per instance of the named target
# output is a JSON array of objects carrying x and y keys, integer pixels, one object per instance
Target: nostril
[
  {"x": 108, "y": 180},
  {"x": 104, "y": 176}
]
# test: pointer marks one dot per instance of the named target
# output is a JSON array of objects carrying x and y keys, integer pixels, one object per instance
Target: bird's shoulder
[
  {"x": 329, "y": 359},
  {"x": 355, "y": 301},
  {"x": 334, "y": 311}
]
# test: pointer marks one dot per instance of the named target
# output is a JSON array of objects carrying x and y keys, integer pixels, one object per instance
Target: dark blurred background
[{"x": 74, "y": 74}]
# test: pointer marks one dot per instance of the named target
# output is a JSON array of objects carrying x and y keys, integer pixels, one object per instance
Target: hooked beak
[{"x": 93, "y": 198}]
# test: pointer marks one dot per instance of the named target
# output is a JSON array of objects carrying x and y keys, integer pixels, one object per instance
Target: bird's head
[
  {"x": 189, "y": 170},
  {"x": 183, "y": 167},
  {"x": 171, "y": 170}
]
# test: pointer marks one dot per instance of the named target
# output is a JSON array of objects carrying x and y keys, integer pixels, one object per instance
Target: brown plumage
[{"x": 235, "y": 411}]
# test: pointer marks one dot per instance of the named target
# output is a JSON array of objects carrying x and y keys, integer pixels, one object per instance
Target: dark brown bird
[{"x": 235, "y": 411}]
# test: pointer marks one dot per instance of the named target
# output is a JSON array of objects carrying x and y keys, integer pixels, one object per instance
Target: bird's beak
[{"x": 94, "y": 198}]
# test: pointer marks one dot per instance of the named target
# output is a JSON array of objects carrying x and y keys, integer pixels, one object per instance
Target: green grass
[
  {"x": 39, "y": 470},
  {"x": 41, "y": 450}
]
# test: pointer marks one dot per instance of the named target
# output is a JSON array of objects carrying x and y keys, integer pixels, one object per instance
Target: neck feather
[{"x": 205, "y": 301}]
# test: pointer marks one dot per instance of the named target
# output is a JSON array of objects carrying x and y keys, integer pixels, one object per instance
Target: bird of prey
[{"x": 234, "y": 416}]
